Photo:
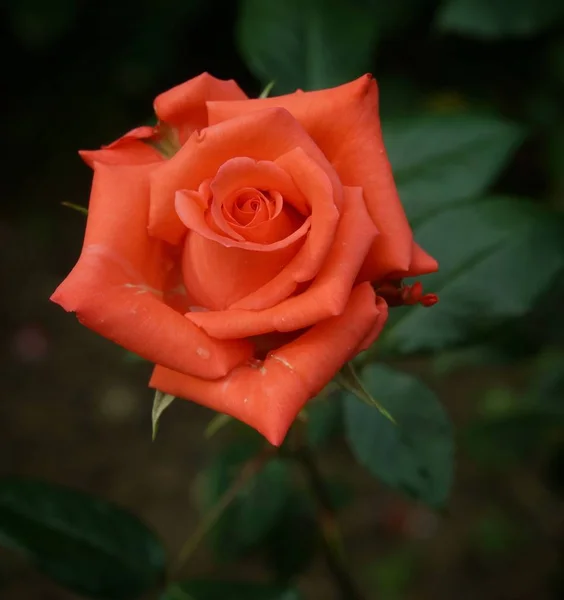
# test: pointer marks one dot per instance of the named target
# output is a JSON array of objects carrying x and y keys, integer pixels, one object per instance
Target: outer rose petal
[
  {"x": 326, "y": 297},
  {"x": 345, "y": 124},
  {"x": 129, "y": 149},
  {"x": 264, "y": 135},
  {"x": 376, "y": 329},
  {"x": 268, "y": 396},
  {"x": 184, "y": 106},
  {"x": 421, "y": 263},
  {"x": 117, "y": 286}
]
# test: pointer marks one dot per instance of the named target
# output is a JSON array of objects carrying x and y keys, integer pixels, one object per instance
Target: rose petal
[
  {"x": 118, "y": 284},
  {"x": 377, "y": 327},
  {"x": 323, "y": 198},
  {"x": 344, "y": 123},
  {"x": 216, "y": 276},
  {"x": 240, "y": 173},
  {"x": 194, "y": 218},
  {"x": 328, "y": 294},
  {"x": 184, "y": 106},
  {"x": 249, "y": 208},
  {"x": 421, "y": 263},
  {"x": 205, "y": 152},
  {"x": 129, "y": 149},
  {"x": 269, "y": 395},
  {"x": 276, "y": 230}
]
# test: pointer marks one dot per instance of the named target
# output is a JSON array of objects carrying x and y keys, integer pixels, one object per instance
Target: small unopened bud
[
  {"x": 411, "y": 294},
  {"x": 397, "y": 294},
  {"x": 429, "y": 300},
  {"x": 391, "y": 292}
]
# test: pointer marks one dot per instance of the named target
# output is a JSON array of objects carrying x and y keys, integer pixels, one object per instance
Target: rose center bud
[
  {"x": 252, "y": 207},
  {"x": 244, "y": 226}
]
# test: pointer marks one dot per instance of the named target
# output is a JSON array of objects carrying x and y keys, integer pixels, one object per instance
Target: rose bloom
[{"x": 239, "y": 243}]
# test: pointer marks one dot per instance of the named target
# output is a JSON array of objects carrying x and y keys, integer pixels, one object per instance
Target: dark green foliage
[
  {"x": 84, "y": 543},
  {"x": 415, "y": 455},
  {"x": 232, "y": 590}
]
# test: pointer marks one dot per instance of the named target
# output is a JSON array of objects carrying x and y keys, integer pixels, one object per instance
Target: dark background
[{"x": 75, "y": 410}]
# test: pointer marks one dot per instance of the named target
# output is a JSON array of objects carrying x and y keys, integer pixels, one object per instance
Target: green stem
[
  {"x": 331, "y": 536},
  {"x": 249, "y": 470}
]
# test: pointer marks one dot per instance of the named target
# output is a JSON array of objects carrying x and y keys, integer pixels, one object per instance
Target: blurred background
[{"x": 76, "y": 409}]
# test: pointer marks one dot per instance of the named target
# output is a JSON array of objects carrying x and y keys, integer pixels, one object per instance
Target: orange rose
[{"x": 236, "y": 243}]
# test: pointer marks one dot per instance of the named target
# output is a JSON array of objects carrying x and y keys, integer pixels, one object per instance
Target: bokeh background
[{"x": 75, "y": 409}]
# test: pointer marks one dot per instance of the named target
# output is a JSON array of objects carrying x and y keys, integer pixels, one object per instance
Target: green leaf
[
  {"x": 225, "y": 590},
  {"x": 86, "y": 544},
  {"x": 132, "y": 358},
  {"x": 438, "y": 160},
  {"x": 216, "y": 424},
  {"x": 77, "y": 207},
  {"x": 309, "y": 45},
  {"x": 491, "y": 19},
  {"x": 249, "y": 519},
  {"x": 349, "y": 381},
  {"x": 496, "y": 256},
  {"x": 160, "y": 403},
  {"x": 416, "y": 455},
  {"x": 267, "y": 89}
]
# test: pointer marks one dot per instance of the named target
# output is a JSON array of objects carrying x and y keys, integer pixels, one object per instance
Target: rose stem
[
  {"x": 247, "y": 472},
  {"x": 330, "y": 534}
]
